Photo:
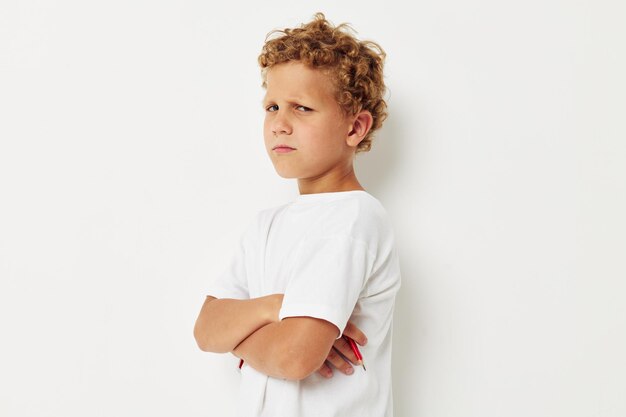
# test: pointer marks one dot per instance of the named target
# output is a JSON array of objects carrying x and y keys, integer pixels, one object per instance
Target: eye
[
  {"x": 272, "y": 108},
  {"x": 303, "y": 108}
]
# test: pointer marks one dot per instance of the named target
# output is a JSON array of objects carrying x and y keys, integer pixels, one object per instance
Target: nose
[{"x": 280, "y": 124}]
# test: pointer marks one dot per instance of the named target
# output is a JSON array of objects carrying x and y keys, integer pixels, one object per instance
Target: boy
[{"x": 324, "y": 266}]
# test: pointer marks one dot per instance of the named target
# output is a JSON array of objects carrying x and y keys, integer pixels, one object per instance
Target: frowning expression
[{"x": 301, "y": 113}]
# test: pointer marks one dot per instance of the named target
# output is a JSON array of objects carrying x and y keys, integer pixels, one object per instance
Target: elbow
[
  {"x": 300, "y": 356},
  {"x": 200, "y": 339},
  {"x": 204, "y": 341},
  {"x": 207, "y": 340},
  {"x": 297, "y": 367},
  {"x": 298, "y": 372}
]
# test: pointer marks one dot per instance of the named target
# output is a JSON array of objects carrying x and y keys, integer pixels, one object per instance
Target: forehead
[{"x": 298, "y": 81}]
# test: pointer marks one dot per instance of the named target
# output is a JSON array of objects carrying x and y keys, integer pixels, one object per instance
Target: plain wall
[{"x": 132, "y": 157}]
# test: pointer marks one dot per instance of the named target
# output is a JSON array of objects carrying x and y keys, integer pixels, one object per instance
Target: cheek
[
  {"x": 267, "y": 134},
  {"x": 326, "y": 137}
]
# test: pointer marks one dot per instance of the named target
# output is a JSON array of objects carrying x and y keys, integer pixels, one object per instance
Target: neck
[{"x": 345, "y": 182}]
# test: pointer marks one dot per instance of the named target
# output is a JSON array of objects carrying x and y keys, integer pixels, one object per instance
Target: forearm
[
  {"x": 285, "y": 349},
  {"x": 223, "y": 323},
  {"x": 263, "y": 351}
]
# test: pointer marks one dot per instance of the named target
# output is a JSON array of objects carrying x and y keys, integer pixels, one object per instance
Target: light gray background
[{"x": 131, "y": 158}]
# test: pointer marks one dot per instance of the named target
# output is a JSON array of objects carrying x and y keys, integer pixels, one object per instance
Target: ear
[{"x": 360, "y": 127}]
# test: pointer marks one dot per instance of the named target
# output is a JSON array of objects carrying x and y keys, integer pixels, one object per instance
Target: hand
[{"x": 342, "y": 347}]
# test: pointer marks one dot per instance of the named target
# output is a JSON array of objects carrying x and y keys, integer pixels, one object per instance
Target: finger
[
  {"x": 325, "y": 371},
  {"x": 355, "y": 334},
  {"x": 339, "y": 362},
  {"x": 344, "y": 348}
]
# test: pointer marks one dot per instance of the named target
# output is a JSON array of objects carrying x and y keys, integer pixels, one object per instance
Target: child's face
[{"x": 301, "y": 112}]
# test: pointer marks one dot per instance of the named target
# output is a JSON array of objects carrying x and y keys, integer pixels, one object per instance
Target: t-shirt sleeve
[
  {"x": 232, "y": 282},
  {"x": 327, "y": 278}
]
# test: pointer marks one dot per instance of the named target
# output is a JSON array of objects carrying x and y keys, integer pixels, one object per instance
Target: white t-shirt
[{"x": 333, "y": 255}]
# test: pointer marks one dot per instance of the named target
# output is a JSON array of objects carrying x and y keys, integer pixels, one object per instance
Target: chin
[
  {"x": 286, "y": 174},
  {"x": 286, "y": 171}
]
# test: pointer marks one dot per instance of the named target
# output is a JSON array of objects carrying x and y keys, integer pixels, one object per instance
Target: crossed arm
[{"x": 292, "y": 348}]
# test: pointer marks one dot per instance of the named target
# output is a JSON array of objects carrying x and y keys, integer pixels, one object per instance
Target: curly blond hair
[{"x": 355, "y": 67}]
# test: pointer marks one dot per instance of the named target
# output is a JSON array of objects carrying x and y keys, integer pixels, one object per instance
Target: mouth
[
  {"x": 283, "y": 150},
  {"x": 282, "y": 147}
]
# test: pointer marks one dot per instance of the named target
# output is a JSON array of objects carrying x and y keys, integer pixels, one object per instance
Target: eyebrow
[{"x": 291, "y": 100}]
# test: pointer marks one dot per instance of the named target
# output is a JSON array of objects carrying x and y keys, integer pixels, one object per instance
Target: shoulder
[{"x": 360, "y": 215}]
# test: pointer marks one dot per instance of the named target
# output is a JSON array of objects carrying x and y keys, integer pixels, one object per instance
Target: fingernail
[
  {"x": 349, "y": 371},
  {"x": 365, "y": 341}
]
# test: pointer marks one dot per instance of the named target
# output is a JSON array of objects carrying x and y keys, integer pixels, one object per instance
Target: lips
[
  {"x": 281, "y": 146},
  {"x": 283, "y": 149}
]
